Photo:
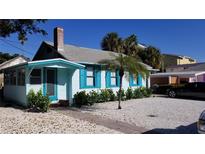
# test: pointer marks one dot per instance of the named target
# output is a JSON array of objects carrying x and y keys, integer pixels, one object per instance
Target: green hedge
[{"x": 106, "y": 95}]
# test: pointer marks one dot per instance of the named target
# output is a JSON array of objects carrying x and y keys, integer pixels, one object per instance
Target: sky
[{"x": 181, "y": 37}]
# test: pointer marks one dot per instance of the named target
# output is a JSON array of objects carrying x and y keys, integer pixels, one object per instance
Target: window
[
  {"x": 35, "y": 77},
  {"x": 90, "y": 76},
  {"x": 113, "y": 78},
  {"x": 135, "y": 80},
  {"x": 13, "y": 77},
  {"x": 21, "y": 77}
]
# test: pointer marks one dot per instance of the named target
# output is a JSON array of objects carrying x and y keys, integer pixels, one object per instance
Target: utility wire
[
  {"x": 16, "y": 42},
  {"x": 16, "y": 47}
]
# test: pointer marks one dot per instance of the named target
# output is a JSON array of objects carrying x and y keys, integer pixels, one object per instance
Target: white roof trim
[{"x": 184, "y": 74}]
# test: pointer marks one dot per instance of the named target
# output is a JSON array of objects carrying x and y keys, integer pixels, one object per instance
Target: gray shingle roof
[
  {"x": 84, "y": 55},
  {"x": 87, "y": 55}
]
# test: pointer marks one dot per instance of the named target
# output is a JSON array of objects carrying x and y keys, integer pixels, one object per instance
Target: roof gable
[{"x": 17, "y": 60}]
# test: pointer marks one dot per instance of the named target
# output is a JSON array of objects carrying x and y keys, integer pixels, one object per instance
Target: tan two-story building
[{"x": 172, "y": 60}]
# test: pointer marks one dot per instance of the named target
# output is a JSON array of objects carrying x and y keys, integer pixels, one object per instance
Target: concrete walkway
[{"x": 106, "y": 122}]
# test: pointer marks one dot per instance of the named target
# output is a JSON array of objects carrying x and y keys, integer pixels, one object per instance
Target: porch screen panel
[
  {"x": 35, "y": 77},
  {"x": 50, "y": 82}
]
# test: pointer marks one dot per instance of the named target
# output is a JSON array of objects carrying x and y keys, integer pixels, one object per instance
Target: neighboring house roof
[
  {"x": 181, "y": 74},
  {"x": 179, "y": 56},
  {"x": 190, "y": 67},
  {"x": 86, "y": 55},
  {"x": 16, "y": 60}
]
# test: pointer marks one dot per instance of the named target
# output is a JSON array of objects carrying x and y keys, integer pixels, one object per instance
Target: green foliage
[
  {"x": 129, "y": 93},
  {"x": 146, "y": 92},
  {"x": 22, "y": 27},
  {"x": 112, "y": 96},
  {"x": 104, "y": 95},
  {"x": 37, "y": 102},
  {"x": 142, "y": 92},
  {"x": 151, "y": 56},
  {"x": 93, "y": 97},
  {"x": 81, "y": 98},
  {"x": 123, "y": 96},
  {"x": 113, "y": 42},
  {"x": 138, "y": 93},
  {"x": 6, "y": 56}
]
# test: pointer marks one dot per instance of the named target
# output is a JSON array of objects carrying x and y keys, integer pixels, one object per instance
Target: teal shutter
[
  {"x": 82, "y": 78},
  {"x": 118, "y": 78},
  {"x": 107, "y": 77},
  {"x": 98, "y": 77},
  {"x": 140, "y": 80},
  {"x": 130, "y": 79}
]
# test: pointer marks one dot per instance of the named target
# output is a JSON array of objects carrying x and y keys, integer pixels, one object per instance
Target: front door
[{"x": 50, "y": 83}]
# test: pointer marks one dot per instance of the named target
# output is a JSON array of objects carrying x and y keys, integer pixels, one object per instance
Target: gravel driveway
[
  {"x": 164, "y": 115},
  {"x": 18, "y": 121}
]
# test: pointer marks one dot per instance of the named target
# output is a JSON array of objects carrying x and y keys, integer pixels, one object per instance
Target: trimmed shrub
[
  {"x": 129, "y": 93},
  {"x": 143, "y": 91},
  {"x": 93, "y": 97},
  {"x": 37, "y": 102},
  {"x": 137, "y": 93},
  {"x": 81, "y": 98},
  {"x": 147, "y": 92},
  {"x": 104, "y": 95},
  {"x": 112, "y": 96},
  {"x": 123, "y": 96}
]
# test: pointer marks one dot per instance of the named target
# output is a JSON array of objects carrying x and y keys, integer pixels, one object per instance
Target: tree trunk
[{"x": 121, "y": 73}]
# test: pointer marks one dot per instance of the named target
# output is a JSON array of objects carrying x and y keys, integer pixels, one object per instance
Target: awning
[{"x": 55, "y": 63}]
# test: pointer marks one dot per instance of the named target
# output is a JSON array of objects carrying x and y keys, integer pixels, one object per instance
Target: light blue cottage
[{"x": 61, "y": 70}]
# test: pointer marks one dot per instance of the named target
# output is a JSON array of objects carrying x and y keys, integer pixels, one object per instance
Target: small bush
[
  {"x": 143, "y": 91},
  {"x": 146, "y": 92},
  {"x": 123, "y": 96},
  {"x": 104, "y": 95},
  {"x": 112, "y": 96},
  {"x": 137, "y": 93},
  {"x": 37, "y": 102},
  {"x": 81, "y": 98},
  {"x": 129, "y": 93},
  {"x": 93, "y": 97},
  {"x": 149, "y": 92}
]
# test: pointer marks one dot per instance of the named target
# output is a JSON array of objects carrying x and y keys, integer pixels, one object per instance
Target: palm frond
[{"x": 135, "y": 67}]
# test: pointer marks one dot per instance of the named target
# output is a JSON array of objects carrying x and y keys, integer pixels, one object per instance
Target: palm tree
[
  {"x": 124, "y": 63},
  {"x": 111, "y": 42},
  {"x": 130, "y": 45},
  {"x": 151, "y": 56}
]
